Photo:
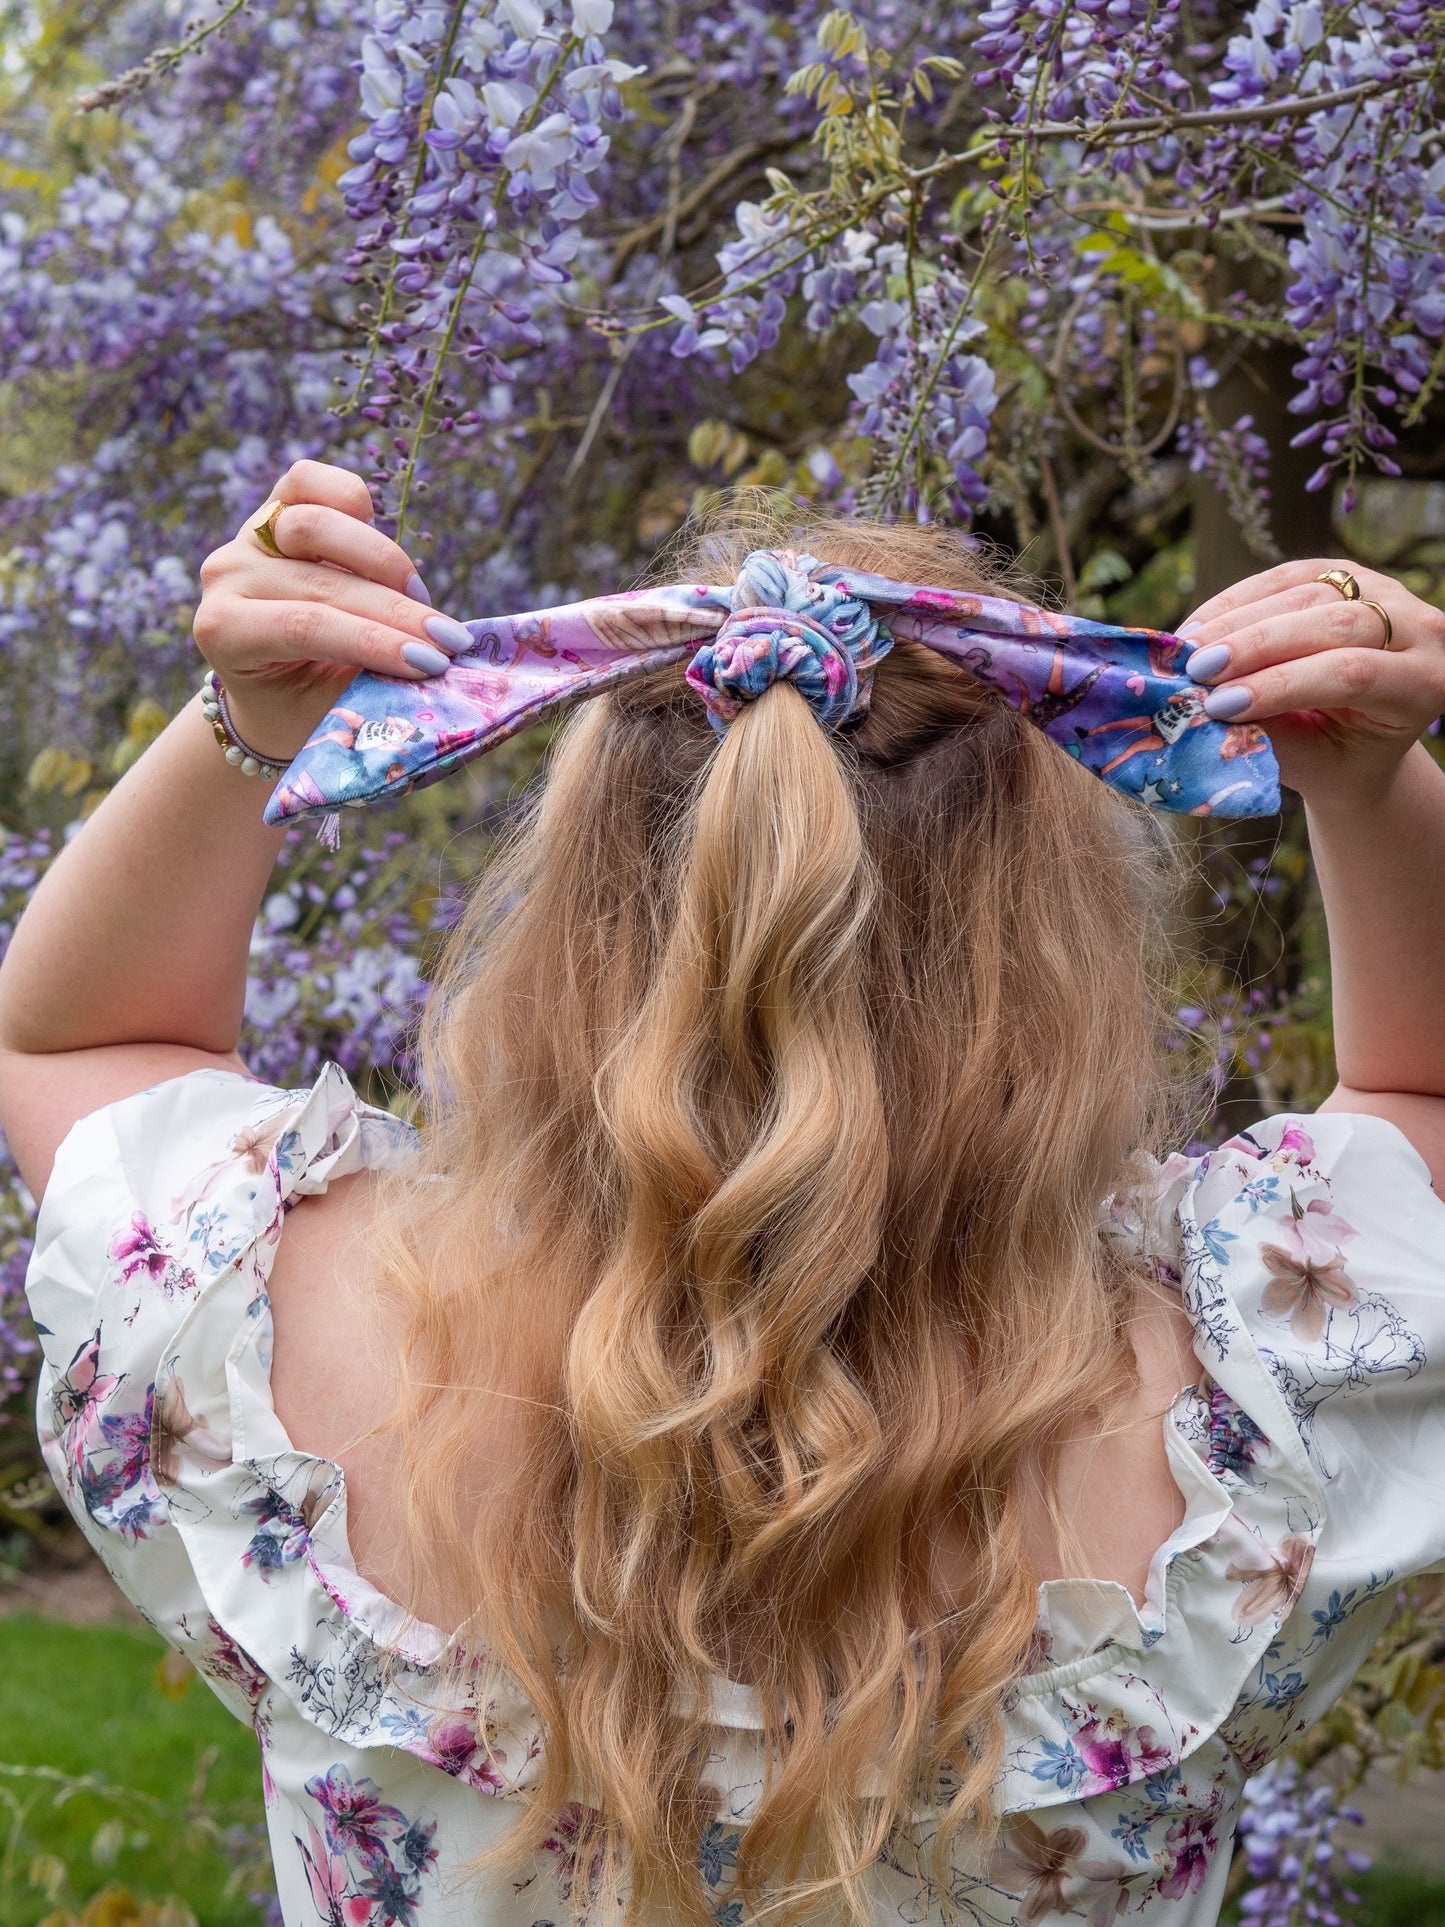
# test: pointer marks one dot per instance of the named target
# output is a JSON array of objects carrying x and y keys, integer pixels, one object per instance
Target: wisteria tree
[{"x": 1094, "y": 279}]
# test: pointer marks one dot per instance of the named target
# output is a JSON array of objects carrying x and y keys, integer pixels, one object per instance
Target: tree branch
[{"x": 716, "y": 177}]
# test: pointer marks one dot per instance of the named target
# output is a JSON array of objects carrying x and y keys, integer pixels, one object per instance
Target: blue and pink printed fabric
[{"x": 1115, "y": 699}]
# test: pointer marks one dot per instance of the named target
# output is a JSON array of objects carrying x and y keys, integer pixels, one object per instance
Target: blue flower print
[
  {"x": 1062, "y": 1765},
  {"x": 213, "y": 1241},
  {"x": 1215, "y": 1240},
  {"x": 1281, "y": 1688},
  {"x": 1133, "y": 1832},
  {"x": 717, "y": 1854},
  {"x": 280, "y": 1537},
  {"x": 1235, "y": 1441},
  {"x": 1260, "y": 1192}
]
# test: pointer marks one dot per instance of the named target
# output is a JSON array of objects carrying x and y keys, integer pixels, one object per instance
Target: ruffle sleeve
[
  {"x": 148, "y": 1286},
  {"x": 1309, "y": 1254},
  {"x": 1321, "y": 1240}
]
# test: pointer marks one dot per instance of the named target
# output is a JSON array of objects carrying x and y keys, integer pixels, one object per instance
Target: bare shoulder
[
  {"x": 1418, "y": 1118},
  {"x": 332, "y": 1371}
]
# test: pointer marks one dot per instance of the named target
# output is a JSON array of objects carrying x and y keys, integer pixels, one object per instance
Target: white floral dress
[{"x": 1309, "y": 1252}]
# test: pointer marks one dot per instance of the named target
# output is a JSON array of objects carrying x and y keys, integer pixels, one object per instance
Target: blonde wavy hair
[{"x": 778, "y": 1083}]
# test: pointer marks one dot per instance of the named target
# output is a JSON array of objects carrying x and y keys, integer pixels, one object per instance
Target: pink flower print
[
  {"x": 1298, "y": 1143},
  {"x": 1109, "y": 1761},
  {"x": 139, "y": 1251},
  {"x": 1192, "y": 1843},
  {"x": 82, "y": 1389},
  {"x": 1274, "y": 1579},
  {"x": 1117, "y": 1755},
  {"x": 326, "y": 1874},
  {"x": 1307, "y": 1273},
  {"x": 453, "y": 1743},
  {"x": 562, "y": 1845},
  {"x": 222, "y": 1659},
  {"x": 1317, "y": 1232}
]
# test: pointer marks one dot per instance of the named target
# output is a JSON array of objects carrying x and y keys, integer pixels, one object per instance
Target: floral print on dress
[
  {"x": 137, "y": 1252},
  {"x": 1307, "y": 1269},
  {"x": 1308, "y": 1253},
  {"x": 367, "y": 1865},
  {"x": 1273, "y": 1579},
  {"x": 1235, "y": 1442}
]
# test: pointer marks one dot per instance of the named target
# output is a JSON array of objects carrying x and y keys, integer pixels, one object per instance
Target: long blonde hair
[{"x": 778, "y": 1083}]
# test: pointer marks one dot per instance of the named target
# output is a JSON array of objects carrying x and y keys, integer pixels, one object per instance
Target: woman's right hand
[
  {"x": 286, "y": 634},
  {"x": 1287, "y": 651}
]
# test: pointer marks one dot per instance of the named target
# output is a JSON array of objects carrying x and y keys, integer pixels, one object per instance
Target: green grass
[
  {"x": 93, "y": 1701},
  {"x": 1395, "y": 1894}
]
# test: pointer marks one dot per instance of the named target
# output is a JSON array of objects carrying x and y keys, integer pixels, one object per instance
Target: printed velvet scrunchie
[{"x": 785, "y": 625}]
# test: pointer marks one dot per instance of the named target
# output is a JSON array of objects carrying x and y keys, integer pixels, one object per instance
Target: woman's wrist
[
  {"x": 1349, "y": 794},
  {"x": 275, "y": 724}
]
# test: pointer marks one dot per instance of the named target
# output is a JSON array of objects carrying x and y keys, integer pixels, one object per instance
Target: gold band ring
[
  {"x": 265, "y": 530},
  {"x": 1384, "y": 616},
  {"x": 1342, "y": 580},
  {"x": 1349, "y": 588}
]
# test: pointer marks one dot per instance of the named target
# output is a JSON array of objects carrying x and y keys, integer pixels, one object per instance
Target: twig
[
  {"x": 664, "y": 254},
  {"x": 716, "y": 177},
  {"x": 1057, "y": 525},
  {"x": 1225, "y": 116},
  {"x": 159, "y": 62}
]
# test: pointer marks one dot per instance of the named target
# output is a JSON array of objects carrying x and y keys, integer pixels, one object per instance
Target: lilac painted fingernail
[
  {"x": 1205, "y": 664},
  {"x": 452, "y": 636},
  {"x": 1221, "y": 704},
  {"x": 417, "y": 589},
  {"x": 1185, "y": 627},
  {"x": 421, "y": 655}
]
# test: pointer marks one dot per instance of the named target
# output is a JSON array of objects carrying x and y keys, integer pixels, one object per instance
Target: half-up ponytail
[
  {"x": 786, "y": 1077},
  {"x": 720, "y": 1435}
]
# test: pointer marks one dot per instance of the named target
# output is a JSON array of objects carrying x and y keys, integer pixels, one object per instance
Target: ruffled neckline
[{"x": 1122, "y": 1690}]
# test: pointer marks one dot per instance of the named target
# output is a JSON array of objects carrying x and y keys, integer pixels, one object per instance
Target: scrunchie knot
[{"x": 790, "y": 622}]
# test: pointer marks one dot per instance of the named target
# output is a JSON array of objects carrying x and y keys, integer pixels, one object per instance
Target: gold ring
[
  {"x": 265, "y": 530},
  {"x": 1384, "y": 616},
  {"x": 1342, "y": 580}
]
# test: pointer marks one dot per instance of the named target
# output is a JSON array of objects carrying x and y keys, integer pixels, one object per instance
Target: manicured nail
[
  {"x": 417, "y": 589},
  {"x": 1205, "y": 664},
  {"x": 1221, "y": 704},
  {"x": 421, "y": 655},
  {"x": 1185, "y": 627},
  {"x": 454, "y": 637}
]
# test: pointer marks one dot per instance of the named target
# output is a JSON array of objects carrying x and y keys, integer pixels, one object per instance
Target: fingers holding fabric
[
  {"x": 242, "y": 636},
  {"x": 1282, "y": 629},
  {"x": 1367, "y": 683}
]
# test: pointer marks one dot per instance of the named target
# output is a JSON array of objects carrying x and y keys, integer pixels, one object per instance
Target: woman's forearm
[
  {"x": 1380, "y": 858},
  {"x": 140, "y": 931}
]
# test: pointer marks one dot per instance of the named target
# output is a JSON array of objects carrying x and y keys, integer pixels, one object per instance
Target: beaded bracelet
[{"x": 239, "y": 753}]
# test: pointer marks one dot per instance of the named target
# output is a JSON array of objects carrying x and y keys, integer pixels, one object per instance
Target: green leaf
[{"x": 1103, "y": 568}]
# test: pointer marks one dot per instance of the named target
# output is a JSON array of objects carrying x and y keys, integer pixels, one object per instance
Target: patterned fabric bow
[{"x": 1115, "y": 699}]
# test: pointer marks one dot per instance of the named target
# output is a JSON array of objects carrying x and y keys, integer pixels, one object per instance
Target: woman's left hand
[{"x": 1291, "y": 653}]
